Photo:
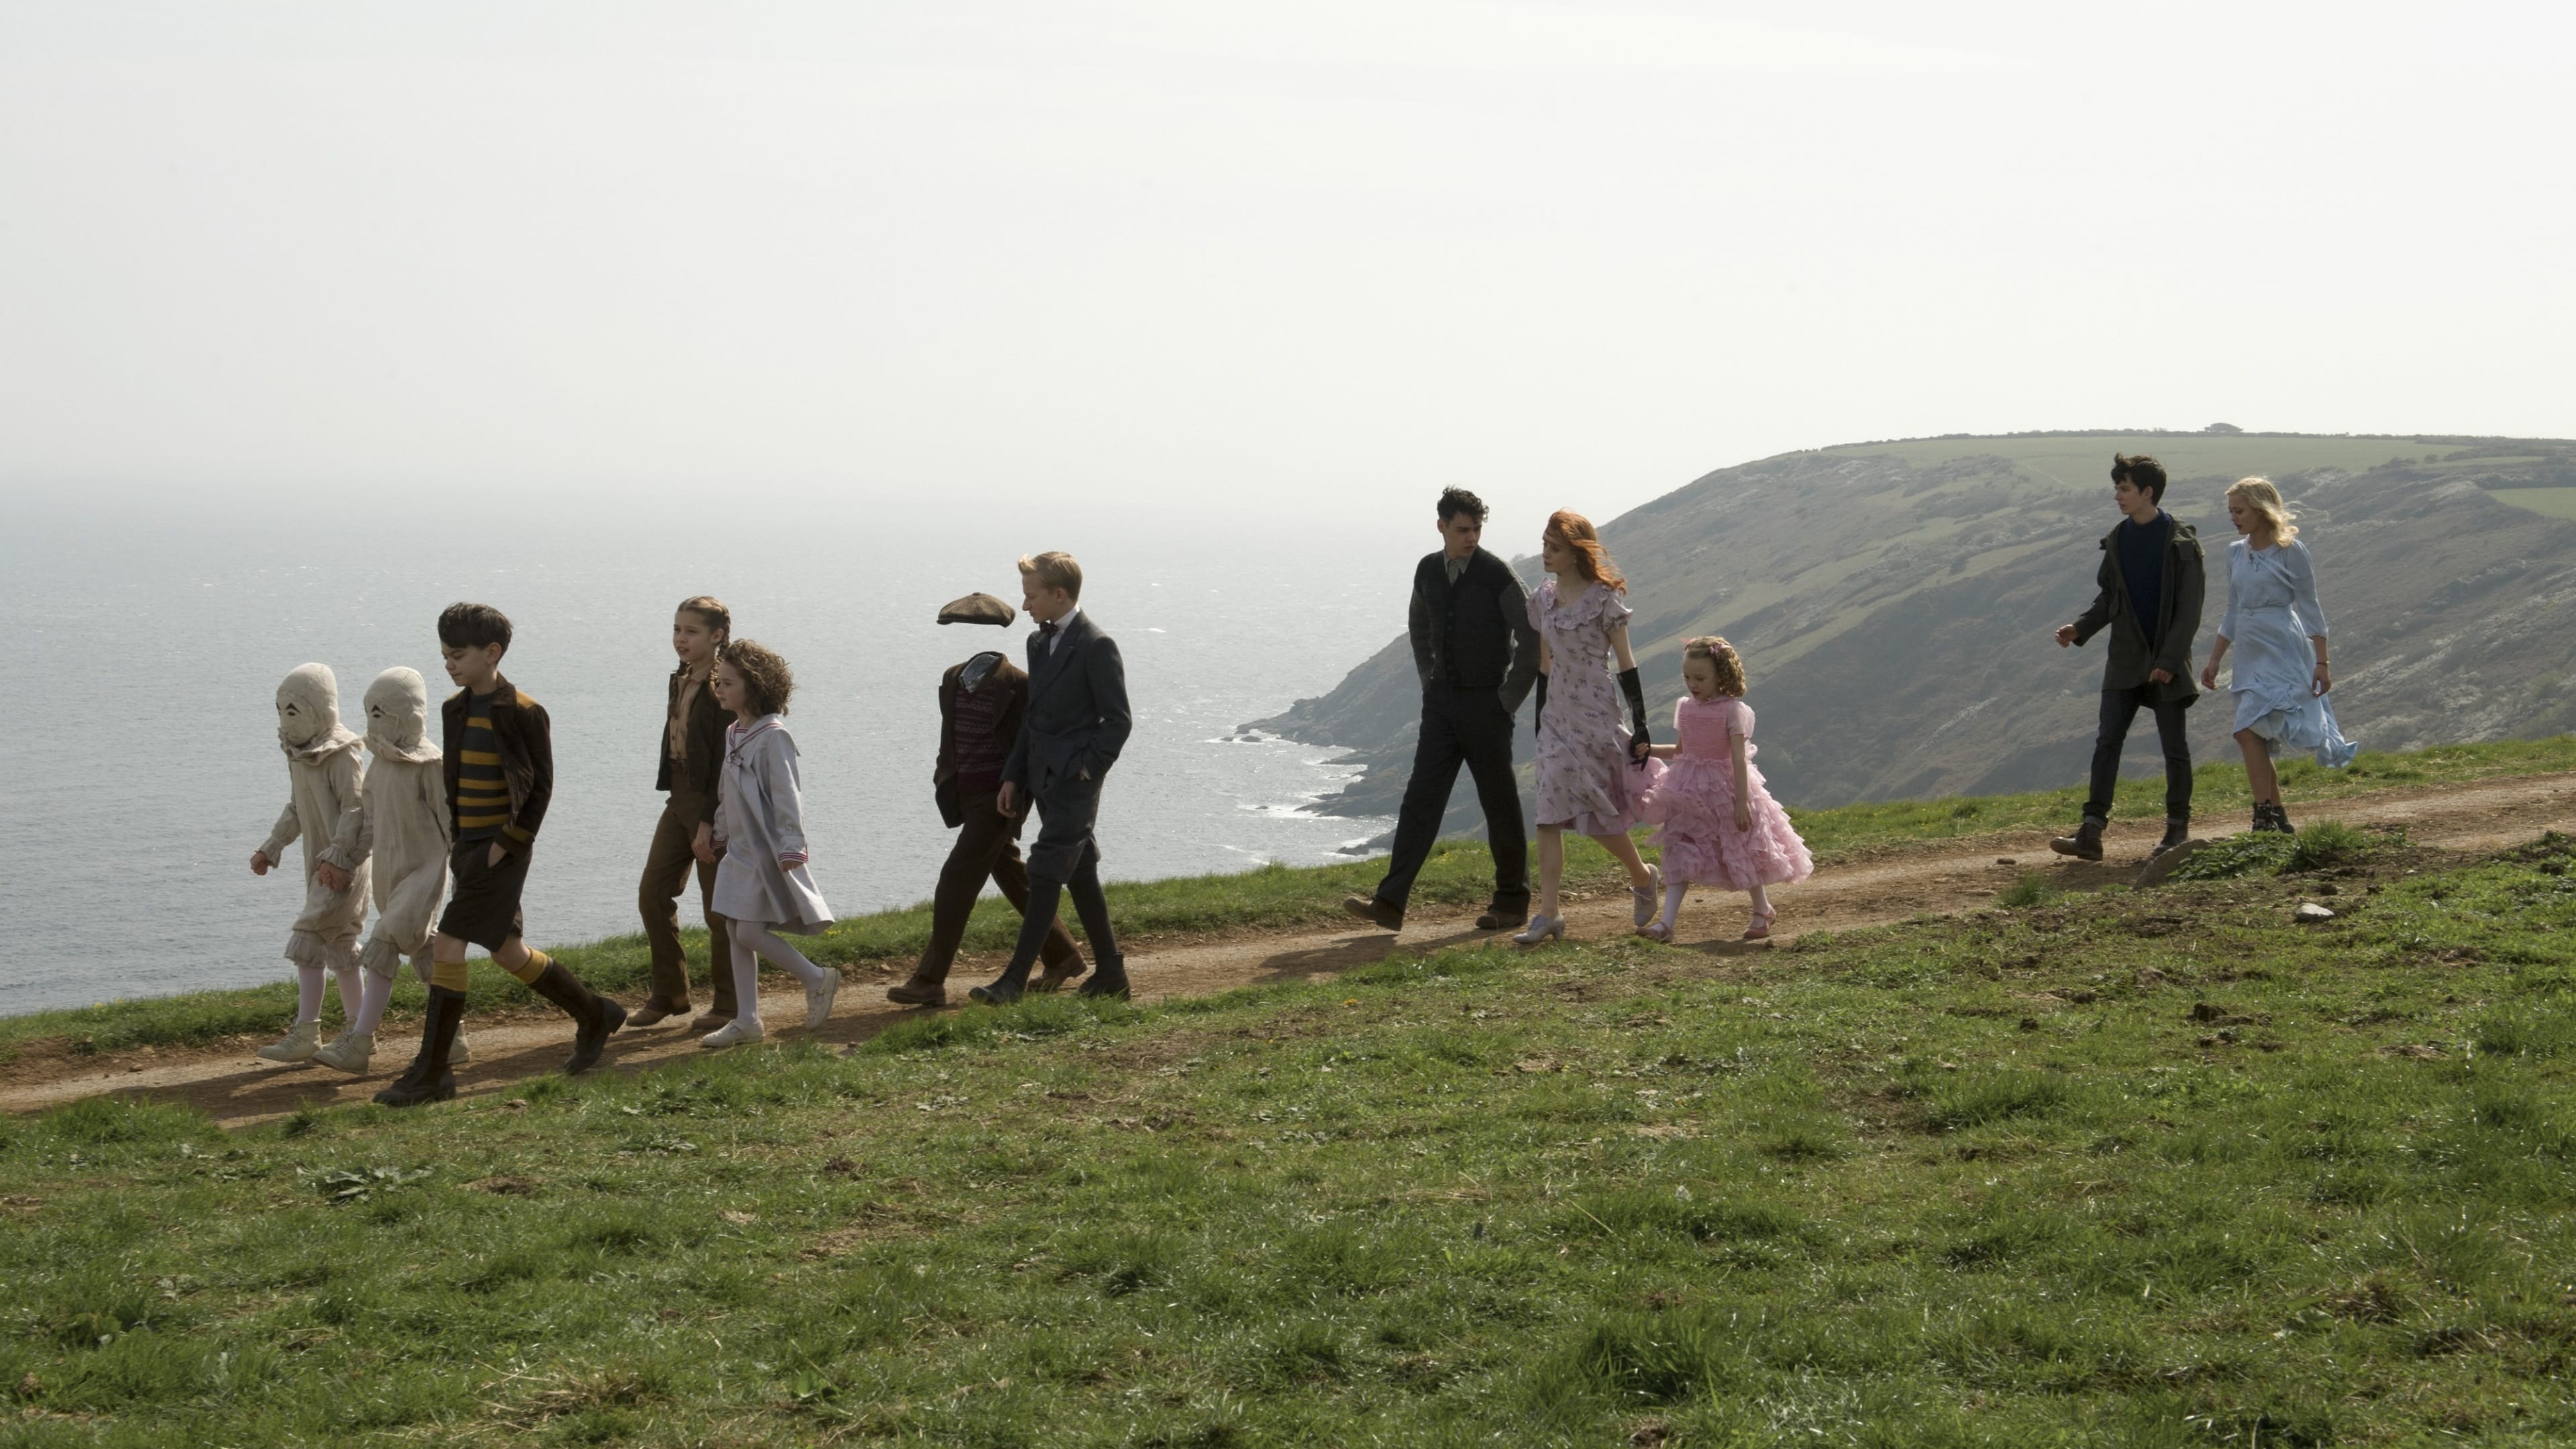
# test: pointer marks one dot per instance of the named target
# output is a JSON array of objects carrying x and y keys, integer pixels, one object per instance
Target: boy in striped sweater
[{"x": 500, "y": 775}]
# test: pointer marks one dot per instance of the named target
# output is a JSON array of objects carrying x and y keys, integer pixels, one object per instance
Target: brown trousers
[
  {"x": 988, "y": 847},
  {"x": 666, "y": 874}
]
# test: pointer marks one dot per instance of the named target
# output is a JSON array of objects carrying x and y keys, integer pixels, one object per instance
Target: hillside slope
[{"x": 1893, "y": 602}]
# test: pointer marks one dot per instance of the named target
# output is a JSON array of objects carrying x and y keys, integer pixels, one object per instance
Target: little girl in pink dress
[{"x": 1719, "y": 826}]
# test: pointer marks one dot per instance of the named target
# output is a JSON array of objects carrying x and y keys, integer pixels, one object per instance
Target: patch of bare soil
[{"x": 237, "y": 1089}]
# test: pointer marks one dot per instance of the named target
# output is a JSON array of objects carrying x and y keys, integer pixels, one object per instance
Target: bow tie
[{"x": 1046, "y": 630}]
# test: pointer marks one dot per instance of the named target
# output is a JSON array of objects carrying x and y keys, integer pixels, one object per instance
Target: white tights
[
  {"x": 308, "y": 985},
  {"x": 379, "y": 991},
  {"x": 754, "y": 939}
]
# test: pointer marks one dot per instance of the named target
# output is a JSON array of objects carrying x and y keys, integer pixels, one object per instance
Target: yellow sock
[
  {"x": 530, "y": 969},
  {"x": 448, "y": 974}
]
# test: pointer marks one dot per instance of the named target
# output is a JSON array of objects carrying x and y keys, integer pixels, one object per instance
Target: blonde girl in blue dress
[{"x": 2278, "y": 631}]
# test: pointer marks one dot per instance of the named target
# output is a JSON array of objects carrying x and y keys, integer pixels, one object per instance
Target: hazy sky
[{"x": 1323, "y": 254}]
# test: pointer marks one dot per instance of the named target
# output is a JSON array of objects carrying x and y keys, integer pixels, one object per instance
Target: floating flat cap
[{"x": 977, "y": 609}]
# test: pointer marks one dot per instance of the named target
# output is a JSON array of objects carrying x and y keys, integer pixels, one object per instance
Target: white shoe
[
  {"x": 348, "y": 1051},
  {"x": 1541, "y": 928},
  {"x": 818, "y": 999},
  {"x": 299, "y": 1044},
  {"x": 732, "y": 1033},
  {"x": 457, "y": 1055},
  {"x": 1649, "y": 897}
]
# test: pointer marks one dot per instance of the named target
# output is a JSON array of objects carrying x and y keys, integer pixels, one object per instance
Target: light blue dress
[{"x": 2272, "y": 612}]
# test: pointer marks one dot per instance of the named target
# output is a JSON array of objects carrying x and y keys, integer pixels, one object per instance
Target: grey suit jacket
[{"x": 1077, "y": 718}]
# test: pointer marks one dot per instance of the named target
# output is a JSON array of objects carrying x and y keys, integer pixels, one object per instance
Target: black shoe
[
  {"x": 597, "y": 1017},
  {"x": 1110, "y": 980},
  {"x": 1374, "y": 911},
  {"x": 1006, "y": 989},
  {"x": 1500, "y": 917},
  {"x": 2084, "y": 844},
  {"x": 2275, "y": 818},
  {"x": 428, "y": 1079},
  {"x": 2176, "y": 832}
]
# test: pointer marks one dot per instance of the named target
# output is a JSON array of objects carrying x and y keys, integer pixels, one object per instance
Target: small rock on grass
[{"x": 2309, "y": 912}]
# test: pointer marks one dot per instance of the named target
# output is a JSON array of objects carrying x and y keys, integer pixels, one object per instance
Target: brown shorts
[{"x": 483, "y": 901}]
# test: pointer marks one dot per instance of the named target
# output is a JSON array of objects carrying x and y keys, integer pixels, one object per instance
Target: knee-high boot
[
  {"x": 597, "y": 1016},
  {"x": 428, "y": 1078}
]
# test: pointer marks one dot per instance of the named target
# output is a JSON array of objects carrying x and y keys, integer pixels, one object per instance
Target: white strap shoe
[
  {"x": 349, "y": 1051},
  {"x": 299, "y": 1044},
  {"x": 1541, "y": 928},
  {"x": 732, "y": 1033},
  {"x": 818, "y": 999}
]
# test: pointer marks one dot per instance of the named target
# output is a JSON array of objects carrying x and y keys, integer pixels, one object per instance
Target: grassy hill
[
  {"x": 1893, "y": 602},
  {"x": 2147, "y": 1169}
]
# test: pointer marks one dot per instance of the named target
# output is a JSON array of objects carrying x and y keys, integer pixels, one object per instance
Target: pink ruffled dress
[{"x": 1693, "y": 803}]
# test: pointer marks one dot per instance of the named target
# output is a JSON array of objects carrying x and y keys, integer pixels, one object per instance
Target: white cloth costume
[
  {"x": 403, "y": 835},
  {"x": 323, "y": 810},
  {"x": 405, "y": 831},
  {"x": 762, "y": 886}
]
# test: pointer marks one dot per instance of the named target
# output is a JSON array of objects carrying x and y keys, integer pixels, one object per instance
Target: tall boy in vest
[
  {"x": 2149, "y": 596},
  {"x": 500, "y": 769},
  {"x": 1478, "y": 656}
]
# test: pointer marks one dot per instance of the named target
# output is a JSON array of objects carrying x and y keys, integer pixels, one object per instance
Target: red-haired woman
[{"x": 1588, "y": 767}]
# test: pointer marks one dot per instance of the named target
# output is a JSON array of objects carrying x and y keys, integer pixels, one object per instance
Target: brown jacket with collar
[
  {"x": 943, "y": 779},
  {"x": 706, "y": 736},
  {"x": 527, "y": 758}
]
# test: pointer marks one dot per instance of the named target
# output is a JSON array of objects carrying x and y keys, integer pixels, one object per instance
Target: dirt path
[{"x": 238, "y": 1090}]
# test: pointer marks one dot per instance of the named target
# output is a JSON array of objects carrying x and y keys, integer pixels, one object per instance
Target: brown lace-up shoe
[
  {"x": 1374, "y": 911},
  {"x": 654, "y": 1012},
  {"x": 917, "y": 992}
]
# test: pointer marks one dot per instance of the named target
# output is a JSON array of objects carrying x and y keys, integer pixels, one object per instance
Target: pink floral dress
[
  {"x": 1694, "y": 801},
  {"x": 1586, "y": 782}
]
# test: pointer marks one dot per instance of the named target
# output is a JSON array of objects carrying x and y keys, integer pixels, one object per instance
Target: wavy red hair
[{"x": 1577, "y": 534}]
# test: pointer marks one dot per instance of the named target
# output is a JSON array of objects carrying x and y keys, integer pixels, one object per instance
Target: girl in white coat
[
  {"x": 321, "y": 809},
  {"x": 762, "y": 887},
  {"x": 403, "y": 837}
]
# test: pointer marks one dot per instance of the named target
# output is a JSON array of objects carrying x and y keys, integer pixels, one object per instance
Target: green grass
[
  {"x": 2142, "y": 1169},
  {"x": 1459, "y": 873},
  {"x": 2554, "y": 502}
]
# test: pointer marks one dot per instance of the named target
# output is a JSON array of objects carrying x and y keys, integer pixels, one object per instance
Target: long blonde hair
[{"x": 2259, "y": 495}]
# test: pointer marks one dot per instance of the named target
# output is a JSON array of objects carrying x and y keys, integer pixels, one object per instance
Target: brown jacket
[
  {"x": 707, "y": 721},
  {"x": 943, "y": 779},
  {"x": 527, "y": 758}
]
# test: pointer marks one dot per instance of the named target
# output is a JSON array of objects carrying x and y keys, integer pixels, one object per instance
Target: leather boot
[
  {"x": 2177, "y": 830},
  {"x": 2084, "y": 844},
  {"x": 1109, "y": 978},
  {"x": 428, "y": 1079},
  {"x": 597, "y": 1017}
]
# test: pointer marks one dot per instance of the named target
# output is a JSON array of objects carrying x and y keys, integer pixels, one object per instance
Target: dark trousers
[
  {"x": 2119, "y": 708},
  {"x": 987, "y": 848},
  {"x": 1461, "y": 727},
  {"x": 657, "y": 896},
  {"x": 1066, "y": 858}
]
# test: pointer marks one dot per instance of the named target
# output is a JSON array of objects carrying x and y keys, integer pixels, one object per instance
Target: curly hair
[
  {"x": 2259, "y": 495},
  {"x": 1576, "y": 532},
  {"x": 766, "y": 681},
  {"x": 1722, "y": 658}
]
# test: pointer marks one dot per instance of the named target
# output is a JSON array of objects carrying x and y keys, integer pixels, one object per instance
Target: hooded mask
[
  {"x": 308, "y": 715},
  {"x": 398, "y": 717}
]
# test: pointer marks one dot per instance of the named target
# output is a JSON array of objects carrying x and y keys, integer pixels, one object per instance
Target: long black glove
[
  {"x": 1538, "y": 715},
  {"x": 1630, "y": 686}
]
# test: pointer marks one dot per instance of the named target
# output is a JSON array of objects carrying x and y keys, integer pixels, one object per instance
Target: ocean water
[{"x": 148, "y": 644}]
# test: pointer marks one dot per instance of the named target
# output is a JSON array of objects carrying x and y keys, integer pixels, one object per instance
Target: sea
[{"x": 146, "y": 641}]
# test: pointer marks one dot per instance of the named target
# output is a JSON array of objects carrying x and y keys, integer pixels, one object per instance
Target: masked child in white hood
[
  {"x": 403, "y": 836},
  {"x": 322, "y": 808}
]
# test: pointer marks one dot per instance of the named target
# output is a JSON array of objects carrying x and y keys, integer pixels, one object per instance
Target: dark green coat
[{"x": 2133, "y": 654}]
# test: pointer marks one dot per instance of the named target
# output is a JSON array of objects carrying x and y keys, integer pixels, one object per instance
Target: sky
[{"x": 1228, "y": 259}]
